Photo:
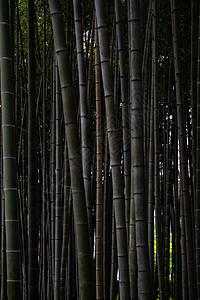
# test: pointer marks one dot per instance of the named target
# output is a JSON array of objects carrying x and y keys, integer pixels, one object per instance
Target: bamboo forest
[{"x": 99, "y": 150}]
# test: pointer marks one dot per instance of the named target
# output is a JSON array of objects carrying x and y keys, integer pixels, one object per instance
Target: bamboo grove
[{"x": 100, "y": 149}]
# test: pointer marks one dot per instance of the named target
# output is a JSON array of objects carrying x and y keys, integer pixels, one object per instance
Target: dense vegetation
[{"x": 100, "y": 150}]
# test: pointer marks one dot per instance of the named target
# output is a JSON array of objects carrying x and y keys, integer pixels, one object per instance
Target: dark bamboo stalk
[
  {"x": 125, "y": 113},
  {"x": 178, "y": 243},
  {"x": 90, "y": 67},
  {"x": 113, "y": 273},
  {"x": 194, "y": 97},
  {"x": 137, "y": 156},
  {"x": 99, "y": 215},
  {"x": 83, "y": 114},
  {"x": 32, "y": 166},
  {"x": 151, "y": 185},
  {"x": 9, "y": 158},
  {"x": 58, "y": 204},
  {"x": 66, "y": 213},
  {"x": 197, "y": 219},
  {"x": 113, "y": 138},
  {"x": 183, "y": 158},
  {"x": 158, "y": 221},
  {"x": 53, "y": 175},
  {"x": 79, "y": 205},
  {"x": 3, "y": 246},
  {"x": 106, "y": 219}
]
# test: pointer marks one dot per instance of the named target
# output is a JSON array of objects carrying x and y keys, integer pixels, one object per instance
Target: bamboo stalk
[
  {"x": 79, "y": 205},
  {"x": 9, "y": 159},
  {"x": 113, "y": 138}
]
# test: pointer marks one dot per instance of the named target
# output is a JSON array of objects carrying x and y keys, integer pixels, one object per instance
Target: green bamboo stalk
[
  {"x": 183, "y": 158},
  {"x": 99, "y": 215},
  {"x": 167, "y": 223},
  {"x": 177, "y": 214},
  {"x": 44, "y": 163},
  {"x": 58, "y": 205},
  {"x": 132, "y": 233},
  {"x": 112, "y": 47},
  {"x": 83, "y": 114},
  {"x": 146, "y": 46},
  {"x": 197, "y": 219},
  {"x": 194, "y": 84},
  {"x": 32, "y": 163},
  {"x": 9, "y": 158},
  {"x": 20, "y": 104},
  {"x": 90, "y": 67},
  {"x": 3, "y": 245},
  {"x": 116, "y": 82},
  {"x": 17, "y": 73},
  {"x": 158, "y": 223},
  {"x": 125, "y": 113},
  {"x": 79, "y": 205},
  {"x": 151, "y": 185},
  {"x": 48, "y": 233},
  {"x": 132, "y": 246},
  {"x": 129, "y": 43},
  {"x": 3, "y": 288},
  {"x": 53, "y": 176},
  {"x": 117, "y": 180},
  {"x": 172, "y": 256},
  {"x": 184, "y": 273},
  {"x": 106, "y": 216},
  {"x": 113, "y": 273},
  {"x": 146, "y": 104},
  {"x": 23, "y": 202},
  {"x": 139, "y": 201},
  {"x": 72, "y": 293},
  {"x": 70, "y": 268},
  {"x": 65, "y": 239}
]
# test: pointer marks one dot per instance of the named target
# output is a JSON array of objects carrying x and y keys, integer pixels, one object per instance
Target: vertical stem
[
  {"x": 194, "y": 87},
  {"x": 58, "y": 206},
  {"x": 113, "y": 140},
  {"x": 151, "y": 185},
  {"x": 32, "y": 165},
  {"x": 183, "y": 157},
  {"x": 90, "y": 67},
  {"x": 85, "y": 150},
  {"x": 67, "y": 197},
  {"x": 53, "y": 176},
  {"x": 79, "y": 204},
  {"x": 113, "y": 280},
  {"x": 158, "y": 222},
  {"x": 125, "y": 113},
  {"x": 197, "y": 199},
  {"x": 137, "y": 156},
  {"x": 106, "y": 215},
  {"x": 44, "y": 164},
  {"x": 167, "y": 223},
  {"x": 3, "y": 249},
  {"x": 99, "y": 237},
  {"x": 9, "y": 158},
  {"x": 177, "y": 220}
]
